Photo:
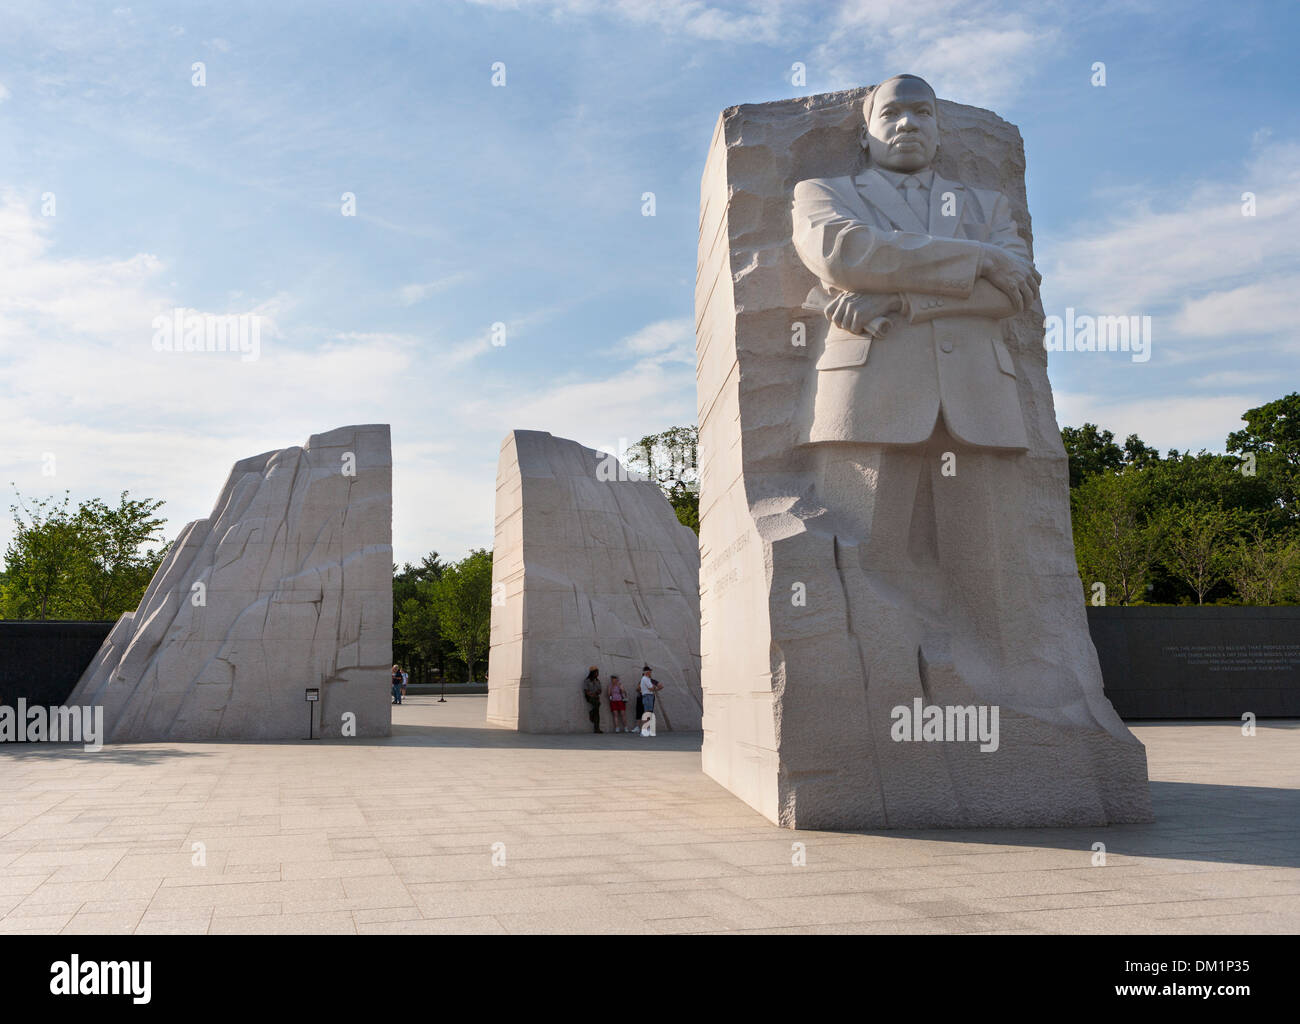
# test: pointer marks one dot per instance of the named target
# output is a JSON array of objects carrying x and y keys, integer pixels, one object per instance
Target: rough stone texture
[
  {"x": 592, "y": 568},
  {"x": 799, "y": 696},
  {"x": 296, "y": 561}
]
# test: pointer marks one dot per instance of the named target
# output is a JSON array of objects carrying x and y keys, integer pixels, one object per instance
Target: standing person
[
  {"x": 591, "y": 691},
  {"x": 405, "y": 679},
  {"x": 397, "y": 684},
  {"x": 617, "y": 705},
  {"x": 648, "y": 689}
]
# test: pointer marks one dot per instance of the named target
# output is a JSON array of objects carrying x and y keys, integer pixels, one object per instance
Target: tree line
[
  {"x": 1187, "y": 528},
  {"x": 94, "y": 562},
  {"x": 442, "y": 617}
]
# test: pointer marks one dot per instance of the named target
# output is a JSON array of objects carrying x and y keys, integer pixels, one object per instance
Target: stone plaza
[{"x": 450, "y": 826}]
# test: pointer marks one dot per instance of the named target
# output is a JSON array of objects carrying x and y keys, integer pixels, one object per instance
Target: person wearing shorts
[
  {"x": 617, "y": 704},
  {"x": 648, "y": 689}
]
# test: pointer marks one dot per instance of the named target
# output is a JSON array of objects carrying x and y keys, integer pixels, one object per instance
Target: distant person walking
[
  {"x": 397, "y": 684},
  {"x": 591, "y": 691},
  {"x": 617, "y": 705}
]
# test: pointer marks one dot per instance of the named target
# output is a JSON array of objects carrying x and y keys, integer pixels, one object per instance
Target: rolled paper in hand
[{"x": 880, "y": 326}]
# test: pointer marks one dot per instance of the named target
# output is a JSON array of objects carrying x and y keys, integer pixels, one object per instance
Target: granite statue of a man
[
  {"x": 918, "y": 450},
  {"x": 915, "y": 414}
]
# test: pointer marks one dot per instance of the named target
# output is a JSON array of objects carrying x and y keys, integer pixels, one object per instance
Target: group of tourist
[{"x": 593, "y": 690}]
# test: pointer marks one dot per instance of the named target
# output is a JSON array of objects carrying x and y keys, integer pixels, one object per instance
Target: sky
[{"x": 128, "y": 191}]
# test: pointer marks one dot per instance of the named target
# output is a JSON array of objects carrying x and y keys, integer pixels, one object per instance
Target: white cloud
[
  {"x": 752, "y": 22},
  {"x": 979, "y": 50},
  {"x": 1187, "y": 422},
  {"x": 1266, "y": 307},
  {"x": 1177, "y": 245},
  {"x": 973, "y": 50},
  {"x": 82, "y": 381},
  {"x": 1218, "y": 285},
  {"x": 412, "y": 293},
  {"x": 662, "y": 341},
  {"x": 4, "y": 92}
]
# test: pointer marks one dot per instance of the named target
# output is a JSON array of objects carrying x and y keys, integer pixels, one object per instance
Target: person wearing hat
[{"x": 591, "y": 691}]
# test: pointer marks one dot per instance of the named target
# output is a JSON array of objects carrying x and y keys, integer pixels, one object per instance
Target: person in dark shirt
[{"x": 591, "y": 691}]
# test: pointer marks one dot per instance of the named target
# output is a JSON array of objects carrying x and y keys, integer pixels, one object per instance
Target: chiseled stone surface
[
  {"x": 885, "y": 519},
  {"x": 295, "y": 567},
  {"x": 590, "y": 567},
  {"x": 606, "y": 834}
]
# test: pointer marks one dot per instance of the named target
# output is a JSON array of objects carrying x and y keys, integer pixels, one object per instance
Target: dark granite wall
[
  {"x": 42, "y": 661},
  {"x": 1156, "y": 662},
  {"x": 1216, "y": 662}
]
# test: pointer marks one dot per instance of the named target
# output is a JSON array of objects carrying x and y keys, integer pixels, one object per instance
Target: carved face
[{"x": 903, "y": 131}]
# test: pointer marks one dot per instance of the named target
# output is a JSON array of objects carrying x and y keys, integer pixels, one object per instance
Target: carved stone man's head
[{"x": 900, "y": 130}]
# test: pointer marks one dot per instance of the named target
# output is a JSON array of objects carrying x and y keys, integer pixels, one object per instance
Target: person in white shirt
[{"x": 648, "y": 690}]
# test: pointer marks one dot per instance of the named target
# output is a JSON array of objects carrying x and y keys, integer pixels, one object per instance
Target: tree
[
  {"x": 417, "y": 635},
  {"x": 1091, "y": 450},
  {"x": 44, "y": 559},
  {"x": 420, "y": 630},
  {"x": 1272, "y": 435},
  {"x": 1113, "y": 542},
  {"x": 462, "y": 600},
  {"x": 671, "y": 459},
  {"x": 1195, "y": 542},
  {"x": 117, "y": 570},
  {"x": 1261, "y": 564},
  {"x": 90, "y": 564},
  {"x": 1138, "y": 453}
]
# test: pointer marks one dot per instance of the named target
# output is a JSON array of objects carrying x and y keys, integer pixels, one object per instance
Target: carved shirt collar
[{"x": 896, "y": 178}]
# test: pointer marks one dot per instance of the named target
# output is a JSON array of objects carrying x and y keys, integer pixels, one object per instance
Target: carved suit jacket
[{"x": 948, "y": 357}]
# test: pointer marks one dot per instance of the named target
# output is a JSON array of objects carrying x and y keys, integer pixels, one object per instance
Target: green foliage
[
  {"x": 1272, "y": 435},
  {"x": 418, "y": 644},
  {"x": 1113, "y": 541},
  {"x": 1092, "y": 451},
  {"x": 88, "y": 564},
  {"x": 1185, "y": 528},
  {"x": 1195, "y": 543},
  {"x": 671, "y": 459},
  {"x": 1264, "y": 568},
  {"x": 119, "y": 569},
  {"x": 462, "y": 600}
]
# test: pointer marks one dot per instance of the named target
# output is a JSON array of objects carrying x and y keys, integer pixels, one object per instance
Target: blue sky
[{"x": 522, "y": 205}]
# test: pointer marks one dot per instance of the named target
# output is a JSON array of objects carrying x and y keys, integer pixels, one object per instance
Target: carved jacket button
[{"x": 946, "y": 345}]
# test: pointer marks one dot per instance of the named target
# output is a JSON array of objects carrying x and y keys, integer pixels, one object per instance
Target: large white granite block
[
  {"x": 286, "y": 586},
  {"x": 590, "y": 567}
]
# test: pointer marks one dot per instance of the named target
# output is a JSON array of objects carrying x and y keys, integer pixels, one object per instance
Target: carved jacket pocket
[{"x": 844, "y": 353}]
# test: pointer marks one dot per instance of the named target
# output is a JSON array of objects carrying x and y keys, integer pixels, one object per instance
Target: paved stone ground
[{"x": 610, "y": 833}]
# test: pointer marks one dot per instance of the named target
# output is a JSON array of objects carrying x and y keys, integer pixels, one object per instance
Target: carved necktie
[{"x": 915, "y": 197}]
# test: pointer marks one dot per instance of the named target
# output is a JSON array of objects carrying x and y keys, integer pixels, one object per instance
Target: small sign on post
[{"x": 313, "y": 696}]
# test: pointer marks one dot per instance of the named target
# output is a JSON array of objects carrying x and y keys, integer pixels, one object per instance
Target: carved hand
[
  {"x": 859, "y": 311},
  {"x": 1011, "y": 276}
]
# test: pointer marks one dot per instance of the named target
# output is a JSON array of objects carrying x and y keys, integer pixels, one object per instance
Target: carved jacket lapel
[
  {"x": 877, "y": 191},
  {"x": 941, "y": 226}
]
